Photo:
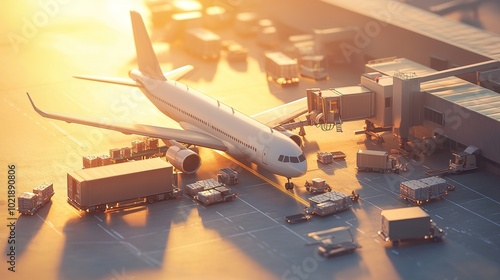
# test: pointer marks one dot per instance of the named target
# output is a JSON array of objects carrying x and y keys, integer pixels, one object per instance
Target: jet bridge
[{"x": 328, "y": 108}]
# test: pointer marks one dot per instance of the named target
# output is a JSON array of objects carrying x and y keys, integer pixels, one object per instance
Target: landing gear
[{"x": 289, "y": 185}]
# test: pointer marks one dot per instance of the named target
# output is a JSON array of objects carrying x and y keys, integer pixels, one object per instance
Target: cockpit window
[
  {"x": 298, "y": 159},
  {"x": 302, "y": 158}
]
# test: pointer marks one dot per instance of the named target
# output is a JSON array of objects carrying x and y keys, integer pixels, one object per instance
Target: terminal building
[{"x": 432, "y": 77}]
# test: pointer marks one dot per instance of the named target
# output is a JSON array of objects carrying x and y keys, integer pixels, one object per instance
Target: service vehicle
[
  {"x": 406, "y": 224},
  {"x": 216, "y": 195},
  {"x": 328, "y": 203},
  {"x": 121, "y": 185},
  {"x": 377, "y": 161},
  {"x": 334, "y": 242},
  {"x": 317, "y": 185},
  {"x": 329, "y": 157},
  {"x": 281, "y": 68},
  {"x": 424, "y": 190},
  {"x": 464, "y": 161},
  {"x": 30, "y": 202},
  {"x": 297, "y": 218}
]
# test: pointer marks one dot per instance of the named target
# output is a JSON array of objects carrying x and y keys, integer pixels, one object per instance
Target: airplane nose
[{"x": 298, "y": 169}]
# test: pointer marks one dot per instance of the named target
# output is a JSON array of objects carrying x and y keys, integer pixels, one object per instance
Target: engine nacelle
[
  {"x": 183, "y": 159},
  {"x": 296, "y": 138}
]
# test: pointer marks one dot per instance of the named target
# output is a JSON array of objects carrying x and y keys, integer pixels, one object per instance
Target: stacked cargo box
[
  {"x": 45, "y": 191},
  {"x": 138, "y": 146},
  {"x": 90, "y": 161},
  {"x": 228, "y": 176},
  {"x": 151, "y": 143},
  {"x": 209, "y": 196},
  {"x": 423, "y": 189},
  {"x": 104, "y": 160},
  {"x": 203, "y": 185},
  {"x": 115, "y": 154},
  {"x": 126, "y": 152},
  {"x": 27, "y": 201},
  {"x": 328, "y": 203}
]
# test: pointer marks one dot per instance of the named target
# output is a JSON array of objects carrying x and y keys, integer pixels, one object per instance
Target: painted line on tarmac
[
  {"x": 477, "y": 214},
  {"x": 272, "y": 183},
  {"x": 448, "y": 178},
  {"x": 50, "y": 224}
]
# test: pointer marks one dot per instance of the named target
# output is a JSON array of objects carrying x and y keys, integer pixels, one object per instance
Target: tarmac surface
[{"x": 247, "y": 238}]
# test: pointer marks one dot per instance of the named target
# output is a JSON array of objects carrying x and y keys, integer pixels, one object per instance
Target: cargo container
[
  {"x": 121, "y": 185},
  {"x": 227, "y": 176},
  {"x": 424, "y": 190},
  {"x": 281, "y": 68},
  {"x": 30, "y": 202},
  {"x": 203, "y": 43},
  {"x": 328, "y": 203},
  {"x": 408, "y": 223},
  {"x": 317, "y": 185},
  {"x": 377, "y": 161},
  {"x": 202, "y": 185},
  {"x": 215, "y": 195}
]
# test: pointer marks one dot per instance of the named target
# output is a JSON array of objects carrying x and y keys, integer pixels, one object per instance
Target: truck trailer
[
  {"x": 281, "y": 68},
  {"x": 30, "y": 202},
  {"x": 203, "y": 43},
  {"x": 377, "y": 161},
  {"x": 121, "y": 185},
  {"x": 409, "y": 223}
]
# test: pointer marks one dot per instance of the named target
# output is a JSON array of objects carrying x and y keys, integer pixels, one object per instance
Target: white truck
[
  {"x": 406, "y": 224},
  {"x": 377, "y": 161}
]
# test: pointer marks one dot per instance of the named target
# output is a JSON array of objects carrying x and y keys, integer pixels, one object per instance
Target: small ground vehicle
[
  {"x": 317, "y": 185},
  {"x": 464, "y": 161},
  {"x": 328, "y": 244},
  {"x": 297, "y": 218},
  {"x": 409, "y": 223},
  {"x": 30, "y": 202},
  {"x": 329, "y": 157}
]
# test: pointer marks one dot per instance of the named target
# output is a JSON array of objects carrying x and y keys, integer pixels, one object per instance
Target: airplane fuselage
[{"x": 243, "y": 136}]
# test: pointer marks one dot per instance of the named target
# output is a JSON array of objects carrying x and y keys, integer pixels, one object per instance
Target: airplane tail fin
[{"x": 146, "y": 57}]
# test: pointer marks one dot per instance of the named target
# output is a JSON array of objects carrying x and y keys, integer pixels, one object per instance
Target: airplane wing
[
  {"x": 183, "y": 136},
  {"x": 283, "y": 113},
  {"x": 174, "y": 74}
]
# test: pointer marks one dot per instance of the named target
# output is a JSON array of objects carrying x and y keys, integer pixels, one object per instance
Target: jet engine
[
  {"x": 183, "y": 159},
  {"x": 296, "y": 138}
]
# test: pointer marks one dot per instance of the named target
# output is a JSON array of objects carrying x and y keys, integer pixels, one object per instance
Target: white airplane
[{"x": 205, "y": 121}]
